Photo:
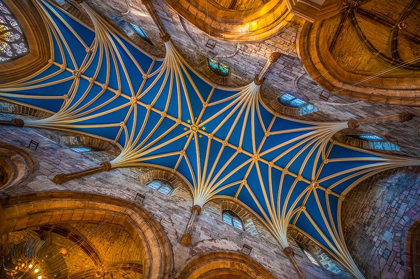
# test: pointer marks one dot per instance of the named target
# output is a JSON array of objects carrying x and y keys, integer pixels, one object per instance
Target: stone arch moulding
[
  {"x": 37, "y": 39},
  {"x": 51, "y": 208},
  {"x": 249, "y": 24},
  {"x": 222, "y": 264},
  {"x": 412, "y": 254},
  {"x": 161, "y": 174},
  {"x": 400, "y": 87},
  {"x": 16, "y": 166},
  {"x": 245, "y": 215}
]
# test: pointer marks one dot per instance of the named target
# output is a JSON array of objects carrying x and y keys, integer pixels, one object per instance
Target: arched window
[
  {"x": 376, "y": 142},
  {"x": 310, "y": 257},
  {"x": 81, "y": 149},
  {"x": 129, "y": 28},
  {"x": 141, "y": 33},
  {"x": 161, "y": 186},
  {"x": 218, "y": 68},
  {"x": 12, "y": 40},
  {"x": 232, "y": 219},
  {"x": 289, "y": 100}
]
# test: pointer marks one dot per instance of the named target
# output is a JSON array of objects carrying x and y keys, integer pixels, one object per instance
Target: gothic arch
[
  {"x": 42, "y": 209},
  {"x": 37, "y": 40},
  {"x": 16, "y": 166},
  {"x": 320, "y": 254},
  {"x": 384, "y": 43},
  {"x": 412, "y": 254},
  {"x": 223, "y": 265}
]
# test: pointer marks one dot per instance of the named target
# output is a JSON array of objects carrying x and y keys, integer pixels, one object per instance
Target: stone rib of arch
[{"x": 224, "y": 141}]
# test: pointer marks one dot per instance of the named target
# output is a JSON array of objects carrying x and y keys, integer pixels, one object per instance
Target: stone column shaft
[
  {"x": 291, "y": 255},
  {"x": 186, "y": 237},
  {"x": 2, "y": 220},
  {"x": 149, "y": 6},
  {"x": 17, "y": 122},
  {"x": 260, "y": 78},
  {"x": 64, "y": 177},
  {"x": 402, "y": 117}
]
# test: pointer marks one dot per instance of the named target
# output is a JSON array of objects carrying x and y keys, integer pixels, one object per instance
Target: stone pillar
[
  {"x": 17, "y": 122},
  {"x": 402, "y": 117},
  {"x": 149, "y": 6},
  {"x": 2, "y": 221},
  {"x": 291, "y": 255},
  {"x": 186, "y": 237},
  {"x": 312, "y": 10},
  {"x": 274, "y": 56},
  {"x": 64, "y": 177}
]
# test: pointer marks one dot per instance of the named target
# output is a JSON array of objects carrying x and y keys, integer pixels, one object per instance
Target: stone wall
[
  {"x": 377, "y": 215},
  {"x": 172, "y": 212}
]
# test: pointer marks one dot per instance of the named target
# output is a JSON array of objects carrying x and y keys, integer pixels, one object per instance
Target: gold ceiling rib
[{"x": 208, "y": 181}]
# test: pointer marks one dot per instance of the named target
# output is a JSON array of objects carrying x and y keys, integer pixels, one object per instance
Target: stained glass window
[
  {"x": 232, "y": 219},
  {"x": 12, "y": 40},
  {"x": 81, "y": 149},
  {"x": 217, "y": 67},
  {"x": 288, "y": 99},
  {"x": 161, "y": 186}
]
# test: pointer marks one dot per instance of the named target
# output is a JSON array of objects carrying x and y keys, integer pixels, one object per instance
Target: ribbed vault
[{"x": 223, "y": 141}]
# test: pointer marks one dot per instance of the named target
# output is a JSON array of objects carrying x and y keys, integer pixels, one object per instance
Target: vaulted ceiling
[{"x": 224, "y": 142}]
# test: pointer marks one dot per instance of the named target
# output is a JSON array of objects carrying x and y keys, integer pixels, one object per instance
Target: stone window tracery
[
  {"x": 12, "y": 40},
  {"x": 161, "y": 186},
  {"x": 218, "y": 67},
  {"x": 232, "y": 219}
]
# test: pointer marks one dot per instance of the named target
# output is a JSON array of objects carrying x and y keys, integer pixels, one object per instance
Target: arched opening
[
  {"x": 223, "y": 265},
  {"x": 232, "y": 219},
  {"x": 161, "y": 186},
  {"x": 102, "y": 236},
  {"x": 16, "y": 166}
]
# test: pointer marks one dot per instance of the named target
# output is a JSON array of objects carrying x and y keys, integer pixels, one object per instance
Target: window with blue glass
[
  {"x": 376, "y": 142},
  {"x": 308, "y": 109},
  {"x": 131, "y": 28},
  {"x": 161, "y": 186},
  {"x": 141, "y": 33},
  {"x": 218, "y": 67},
  {"x": 81, "y": 149},
  {"x": 289, "y": 100},
  {"x": 232, "y": 219}
]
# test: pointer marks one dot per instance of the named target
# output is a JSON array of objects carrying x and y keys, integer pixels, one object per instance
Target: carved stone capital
[
  {"x": 258, "y": 81},
  {"x": 274, "y": 56},
  {"x": 186, "y": 239},
  {"x": 17, "y": 122},
  {"x": 352, "y": 123},
  {"x": 196, "y": 208},
  {"x": 405, "y": 116},
  {"x": 60, "y": 178},
  {"x": 106, "y": 165},
  {"x": 165, "y": 37},
  {"x": 289, "y": 251}
]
